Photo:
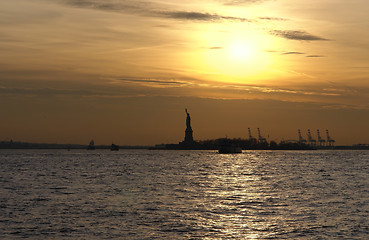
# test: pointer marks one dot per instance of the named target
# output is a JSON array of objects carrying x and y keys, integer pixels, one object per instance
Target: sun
[
  {"x": 240, "y": 51},
  {"x": 233, "y": 54}
]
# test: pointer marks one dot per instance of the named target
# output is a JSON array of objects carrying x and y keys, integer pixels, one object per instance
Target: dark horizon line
[
  {"x": 32, "y": 145},
  {"x": 35, "y": 145}
]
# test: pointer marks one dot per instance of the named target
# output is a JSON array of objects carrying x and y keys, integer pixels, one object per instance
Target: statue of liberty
[
  {"x": 188, "y": 120},
  {"x": 188, "y": 133}
]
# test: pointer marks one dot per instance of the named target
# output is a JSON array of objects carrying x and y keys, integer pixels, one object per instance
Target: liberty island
[
  {"x": 251, "y": 143},
  {"x": 190, "y": 144}
]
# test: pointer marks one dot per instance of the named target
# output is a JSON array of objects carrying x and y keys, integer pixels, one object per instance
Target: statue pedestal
[{"x": 188, "y": 136}]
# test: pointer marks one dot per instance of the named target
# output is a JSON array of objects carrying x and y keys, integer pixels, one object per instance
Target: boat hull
[{"x": 229, "y": 150}]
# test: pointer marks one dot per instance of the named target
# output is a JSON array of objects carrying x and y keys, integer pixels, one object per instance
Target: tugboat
[
  {"x": 226, "y": 147},
  {"x": 91, "y": 146},
  {"x": 114, "y": 147}
]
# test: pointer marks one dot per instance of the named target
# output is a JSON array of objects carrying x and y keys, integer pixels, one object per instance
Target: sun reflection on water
[{"x": 239, "y": 198}]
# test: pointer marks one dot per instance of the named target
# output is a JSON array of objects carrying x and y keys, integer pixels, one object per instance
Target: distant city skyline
[{"x": 124, "y": 71}]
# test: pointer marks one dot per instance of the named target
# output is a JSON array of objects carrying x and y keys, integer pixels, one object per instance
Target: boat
[
  {"x": 91, "y": 146},
  {"x": 114, "y": 147},
  {"x": 227, "y": 147}
]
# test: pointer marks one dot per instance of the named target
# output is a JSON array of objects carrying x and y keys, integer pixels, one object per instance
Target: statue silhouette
[
  {"x": 188, "y": 120},
  {"x": 188, "y": 133}
]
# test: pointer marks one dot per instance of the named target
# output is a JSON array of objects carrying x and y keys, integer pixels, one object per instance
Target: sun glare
[
  {"x": 235, "y": 55},
  {"x": 239, "y": 51}
]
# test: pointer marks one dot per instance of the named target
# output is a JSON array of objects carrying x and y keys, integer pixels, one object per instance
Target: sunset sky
[{"x": 124, "y": 71}]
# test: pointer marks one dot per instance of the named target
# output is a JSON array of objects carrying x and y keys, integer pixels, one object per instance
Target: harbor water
[{"x": 146, "y": 194}]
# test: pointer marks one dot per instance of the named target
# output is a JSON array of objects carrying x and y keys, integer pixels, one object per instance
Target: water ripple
[{"x": 184, "y": 195}]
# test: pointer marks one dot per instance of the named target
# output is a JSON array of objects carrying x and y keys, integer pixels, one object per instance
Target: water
[{"x": 142, "y": 194}]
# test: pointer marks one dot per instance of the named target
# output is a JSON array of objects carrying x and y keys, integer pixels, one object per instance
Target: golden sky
[{"x": 123, "y": 71}]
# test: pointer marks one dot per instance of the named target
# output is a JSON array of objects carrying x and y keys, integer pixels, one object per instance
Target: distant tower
[
  {"x": 321, "y": 141},
  {"x": 310, "y": 139},
  {"x": 301, "y": 140},
  {"x": 251, "y": 138},
  {"x": 261, "y": 139},
  {"x": 188, "y": 133},
  {"x": 330, "y": 141}
]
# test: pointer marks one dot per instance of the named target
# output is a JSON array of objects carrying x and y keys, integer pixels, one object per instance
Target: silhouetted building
[{"x": 114, "y": 147}]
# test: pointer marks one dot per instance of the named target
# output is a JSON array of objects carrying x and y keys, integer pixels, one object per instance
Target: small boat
[
  {"x": 91, "y": 146},
  {"x": 114, "y": 147},
  {"x": 227, "y": 147}
]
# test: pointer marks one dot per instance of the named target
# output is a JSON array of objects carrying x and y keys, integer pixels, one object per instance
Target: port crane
[
  {"x": 261, "y": 139},
  {"x": 301, "y": 140},
  {"x": 310, "y": 139},
  {"x": 330, "y": 141},
  {"x": 321, "y": 141},
  {"x": 251, "y": 138}
]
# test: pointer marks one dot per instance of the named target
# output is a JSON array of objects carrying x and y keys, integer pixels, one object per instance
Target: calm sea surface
[{"x": 143, "y": 194}]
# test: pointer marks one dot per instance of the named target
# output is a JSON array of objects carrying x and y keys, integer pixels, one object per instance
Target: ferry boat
[
  {"x": 227, "y": 147},
  {"x": 91, "y": 146}
]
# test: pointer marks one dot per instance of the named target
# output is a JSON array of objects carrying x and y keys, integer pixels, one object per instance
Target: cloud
[
  {"x": 143, "y": 8},
  {"x": 315, "y": 56},
  {"x": 215, "y": 48},
  {"x": 199, "y": 16},
  {"x": 155, "y": 81},
  {"x": 111, "y": 5},
  {"x": 162, "y": 10},
  {"x": 128, "y": 87},
  {"x": 292, "y": 53},
  {"x": 273, "y": 18},
  {"x": 241, "y": 2},
  {"x": 297, "y": 35},
  {"x": 150, "y": 9}
]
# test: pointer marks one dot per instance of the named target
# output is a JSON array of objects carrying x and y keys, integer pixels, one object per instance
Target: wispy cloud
[
  {"x": 273, "y": 18},
  {"x": 241, "y": 2},
  {"x": 108, "y": 5},
  {"x": 155, "y": 9},
  {"x": 293, "y": 53},
  {"x": 297, "y": 35},
  {"x": 146, "y": 8},
  {"x": 155, "y": 81},
  {"x": 199, "y": 16},
  {"x": 128, "y": 87},
  {"x": 315, "y": 56}
]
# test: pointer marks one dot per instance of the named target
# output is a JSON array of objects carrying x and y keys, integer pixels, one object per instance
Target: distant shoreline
[{"x": 25, "y": 145}]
